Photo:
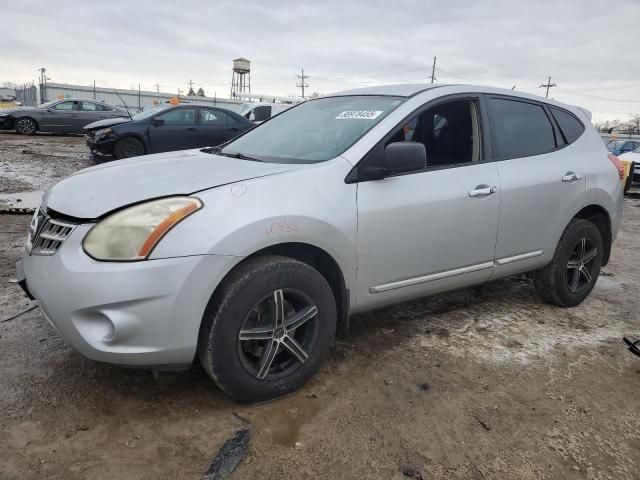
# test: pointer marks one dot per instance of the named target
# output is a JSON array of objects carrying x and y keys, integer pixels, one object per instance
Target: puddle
[{"x": 283, "y": 419}]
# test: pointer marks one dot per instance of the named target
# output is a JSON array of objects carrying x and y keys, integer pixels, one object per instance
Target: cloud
[{"x": 340, "y": 44}]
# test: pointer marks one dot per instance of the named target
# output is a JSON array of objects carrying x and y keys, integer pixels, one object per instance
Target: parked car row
[
  {"x": 248, "y": 258},
  {"x": 628, "y": 151},
  {"x": 112, "y": 133}
]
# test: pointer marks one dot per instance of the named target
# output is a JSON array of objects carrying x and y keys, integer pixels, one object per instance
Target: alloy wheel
[
  {"x": 25, "y": 126},
  {"x": 278, "y": 334},
  {"x": 580, "y": 269}
]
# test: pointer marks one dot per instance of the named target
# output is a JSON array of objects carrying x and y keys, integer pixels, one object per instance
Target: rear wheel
[
  {"x": 26, "y": 126},
  {"x": 575, "y": 267},
  {"x": 268, "y": 330},
  {"x": 128, "y": 147}
]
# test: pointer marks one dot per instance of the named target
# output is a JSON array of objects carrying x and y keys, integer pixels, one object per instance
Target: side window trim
[
  {"x": 556, "y": 130},
  {"x": 485, "y": 147},
  {"x": 567, "y": 112}
]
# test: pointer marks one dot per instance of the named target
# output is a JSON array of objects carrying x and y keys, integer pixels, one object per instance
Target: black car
[{"x": 164, "y": 128}]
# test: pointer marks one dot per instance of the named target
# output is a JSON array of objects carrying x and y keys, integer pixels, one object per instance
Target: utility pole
[
  {"x": 548, "y": 85},
  {"x": 190, "y": 87},
  {"x": 157, "y": 85},
  {"x": 433, "y": 70},
  {"x": 302, "y": 83},
  {"x": 43, "y": 85}
]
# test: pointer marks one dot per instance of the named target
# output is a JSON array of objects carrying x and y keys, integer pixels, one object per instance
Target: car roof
[
  {"x": 410, "y": 90},
  {"x": 400, "y": 90}
]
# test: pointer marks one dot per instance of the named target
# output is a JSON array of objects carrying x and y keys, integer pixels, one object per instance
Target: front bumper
[
  {"x": 132, "y": 313},
  {"x": 6, "y": 123},
  {"x": 100, "y": 148}
]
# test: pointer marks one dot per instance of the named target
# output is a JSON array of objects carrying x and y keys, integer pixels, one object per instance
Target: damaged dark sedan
[
  {"x": 164, "y": 128},
  {"x": 58, "y": 116}
]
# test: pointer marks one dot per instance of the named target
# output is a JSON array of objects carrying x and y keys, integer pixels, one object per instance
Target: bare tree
[{"x": 200, "y": 92}]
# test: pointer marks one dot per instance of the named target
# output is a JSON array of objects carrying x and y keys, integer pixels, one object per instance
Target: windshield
[
  {"x": 151, "y": 112},
  {"x": 47, "y": 104},
  {"x": 314, "y": 131}
]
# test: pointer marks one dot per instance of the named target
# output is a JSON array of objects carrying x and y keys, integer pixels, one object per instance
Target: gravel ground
[{"x": 486, "y": 382}]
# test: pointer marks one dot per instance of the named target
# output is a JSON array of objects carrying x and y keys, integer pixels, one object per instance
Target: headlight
[
  {"x": 103, "y": 132},
  {"x": 132, "y": 233}
]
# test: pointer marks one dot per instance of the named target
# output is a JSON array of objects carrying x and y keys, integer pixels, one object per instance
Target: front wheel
[
  {"x": 575, "y": 267},
  {"x": 268, "y": 329},
  {"x": 26, "y": 126},
  {"x": 128, "y": 147}
]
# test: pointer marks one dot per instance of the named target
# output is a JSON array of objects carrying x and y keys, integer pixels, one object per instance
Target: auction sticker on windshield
[{"x": 359, "y": 114}]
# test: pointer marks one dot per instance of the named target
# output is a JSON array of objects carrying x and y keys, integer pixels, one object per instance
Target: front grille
[{"x": 49, "y": 234}]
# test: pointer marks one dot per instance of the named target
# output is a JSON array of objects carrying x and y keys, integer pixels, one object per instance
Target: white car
[
  {"x": 259, "y": 112},
  {"x": 633, "y": 157},
  {"x": 250, "y": 256}
]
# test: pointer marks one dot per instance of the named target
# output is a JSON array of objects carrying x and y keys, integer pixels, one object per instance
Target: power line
[
  {"x": 302, "y": 83},
  {"x": 454, "y": 75},
  {"x": 597, "y": 97}
]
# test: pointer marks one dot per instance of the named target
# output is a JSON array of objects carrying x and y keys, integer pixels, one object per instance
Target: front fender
[{"x": 311, "y": 205}]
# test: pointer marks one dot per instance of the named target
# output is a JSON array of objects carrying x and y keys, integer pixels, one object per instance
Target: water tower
[{"x": 241, "y": 76}]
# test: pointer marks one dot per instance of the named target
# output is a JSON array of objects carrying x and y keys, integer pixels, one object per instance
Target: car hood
[
  {"x": 107, "y": 122},
  {"x": 95, "y": 191},
  {"x": 630, "y": 156},
  {"x": 18, "y": 109}
]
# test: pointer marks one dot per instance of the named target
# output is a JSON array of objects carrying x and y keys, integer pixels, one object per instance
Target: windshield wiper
[{"x": 238, "y": 155}]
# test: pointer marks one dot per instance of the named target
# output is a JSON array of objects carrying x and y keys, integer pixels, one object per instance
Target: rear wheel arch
[{"x": 601, "y": 219}]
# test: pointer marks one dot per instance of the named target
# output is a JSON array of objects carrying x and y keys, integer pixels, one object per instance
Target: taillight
[{"x": 618, "y": 164}]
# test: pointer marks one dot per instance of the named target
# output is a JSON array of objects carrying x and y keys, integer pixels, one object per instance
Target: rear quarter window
[
  {"x": 520, "y": 129},
  {"x": 570, "y": 126}
]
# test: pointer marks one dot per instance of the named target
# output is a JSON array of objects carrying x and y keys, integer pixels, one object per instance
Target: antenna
[{"x": 125, "y": 105}]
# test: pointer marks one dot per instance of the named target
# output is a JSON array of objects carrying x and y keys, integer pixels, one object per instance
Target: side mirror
[
  {"x": 157, "y": 122},
  {"x": 402, "y": 157}
]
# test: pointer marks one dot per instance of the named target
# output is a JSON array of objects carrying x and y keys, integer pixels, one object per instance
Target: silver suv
[{"x": 251, "y": 256}]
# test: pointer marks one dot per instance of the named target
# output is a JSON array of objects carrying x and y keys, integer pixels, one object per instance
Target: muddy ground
[{"x": 486, "y": 382}]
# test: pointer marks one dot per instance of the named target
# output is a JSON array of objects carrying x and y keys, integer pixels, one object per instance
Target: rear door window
[
  {"x": 520, "y": 129},
  {"x": 213, "y": 117},
  {"x": 570, "y": 126}
]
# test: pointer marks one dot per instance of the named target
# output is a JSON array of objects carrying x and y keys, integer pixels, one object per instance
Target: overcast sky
[{"x": 590, "y": 48}]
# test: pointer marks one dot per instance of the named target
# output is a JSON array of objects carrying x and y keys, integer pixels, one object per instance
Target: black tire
[
  {"x": 556, "y": 283},
  {"x": 240, "y": 305},
  {"x": 25, "y": 125},
  {"x": 627, "y": 184},
  {"x": 128, "y": 147}
]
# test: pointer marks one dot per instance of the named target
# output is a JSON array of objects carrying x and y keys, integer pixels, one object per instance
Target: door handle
[
  {"x": 190, "y": 129},
  {"x": 571, "y": 176},
  {"x": 234, "y": 129},
  {"x": 481, "y": 191}
]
